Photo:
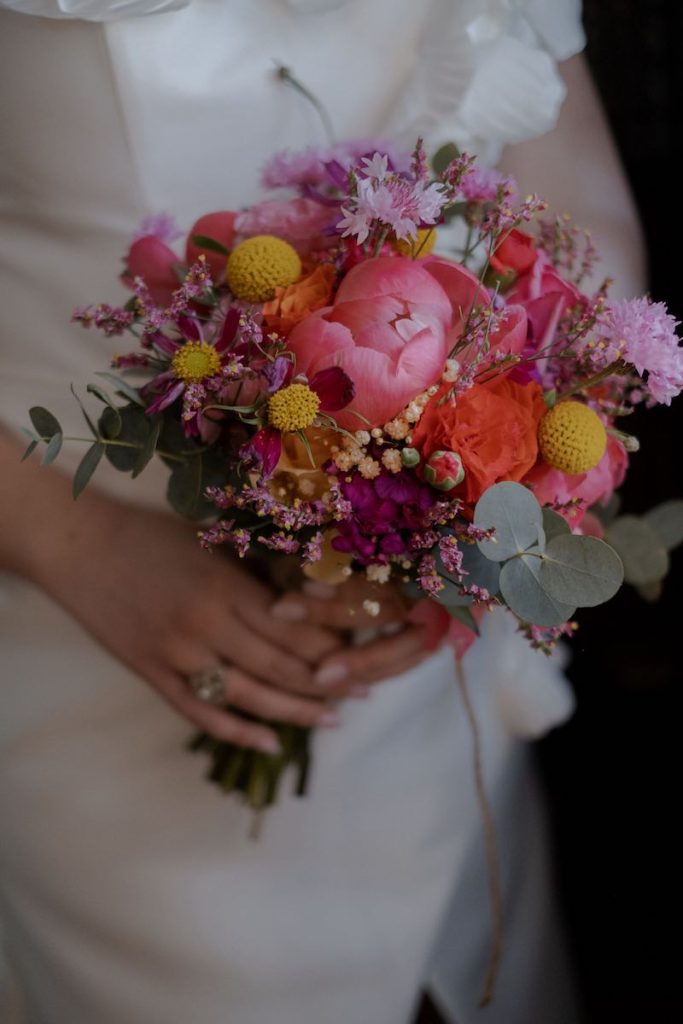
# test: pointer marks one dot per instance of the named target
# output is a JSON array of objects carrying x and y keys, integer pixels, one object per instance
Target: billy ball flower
[
  {"x": 293, "y": 408},
  {"x": 572, "y": 438},
  {"x": 259, "y": 265}
]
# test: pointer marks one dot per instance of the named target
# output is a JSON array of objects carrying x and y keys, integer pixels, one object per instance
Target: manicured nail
[
  {"x": 269, "y": 745},
  {"x": 323, "y": 591},
  {"x": 330, "y": 720},
  {"x": 289, "y": 611},
  {"x": 330, "y": 675},
  {"x": 360, "y": 691}
]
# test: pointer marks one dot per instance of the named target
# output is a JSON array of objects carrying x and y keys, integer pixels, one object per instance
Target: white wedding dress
[{"x": 129, "y": 890}]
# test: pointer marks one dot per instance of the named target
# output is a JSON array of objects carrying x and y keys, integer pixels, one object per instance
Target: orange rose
[
  {"x": 294, "y": 303},
  {"x": 493, "y": 428}
]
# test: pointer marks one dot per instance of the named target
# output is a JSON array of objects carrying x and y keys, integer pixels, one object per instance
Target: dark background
[{"x": 612, "y": 774}]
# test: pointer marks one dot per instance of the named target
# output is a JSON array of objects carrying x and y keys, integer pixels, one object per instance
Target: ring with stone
[{"x": 209, "y": 685}]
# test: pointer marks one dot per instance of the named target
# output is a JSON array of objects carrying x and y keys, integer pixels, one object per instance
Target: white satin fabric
[{"x": 130, "y": 892}]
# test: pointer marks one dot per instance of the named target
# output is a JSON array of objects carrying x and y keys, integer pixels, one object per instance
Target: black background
[{"x": 612, "y": 774}]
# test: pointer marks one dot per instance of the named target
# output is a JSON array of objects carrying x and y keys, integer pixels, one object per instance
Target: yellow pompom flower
[
  {"x": 293, "y": 408},
  {"x": 195, "y": 361},
  {"x": 259, "y": 265},
  {"x": 572, "y": 437},
  {"x": 421, "y": 246}
]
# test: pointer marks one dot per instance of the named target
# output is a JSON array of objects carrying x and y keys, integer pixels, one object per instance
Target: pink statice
[
  {"x": 111, "y": 320},
  {"x": 302, "y": 222},
  {"x": 643, "y": 333},
  {"x": 483, "y": 184},
  {"x": 159, "y": 225}
]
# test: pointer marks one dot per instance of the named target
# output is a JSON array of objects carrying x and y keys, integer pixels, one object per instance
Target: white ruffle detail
[
  {"x": 486, "y": 73},
  {"x": 93, "y": 10},
  {"x": 531, "y": 692}
]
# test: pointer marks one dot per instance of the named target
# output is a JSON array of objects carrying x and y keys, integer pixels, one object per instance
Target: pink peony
[
  {"x": 391, "y": 328},
  {"x": 597, "y": 485}
]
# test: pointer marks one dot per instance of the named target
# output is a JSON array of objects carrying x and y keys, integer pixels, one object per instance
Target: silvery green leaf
[
  {"x": 123, "y": 387},
  {"x": 29, "y": 451},
  {"x": 609, "y": 512},
  {"x": 444, "y": 156},
  {"x": 523, "y": 590},
  {"x": 650, "y": 591},
  {"x": 114, "y": 417},
  {"x": 54, "y": 446},
  {"x": 480, "y": 570},
  {"x": 86, "y": 415},
  {"x": 452, "y": 597},
  {"x": 516, "y": 517},
  {"x": 87, "y": 467},
  {"x": 205, "y": 242},
  {"x": 463, "y": 615},
  {"x": 554, "y": 525},
  {"x": 667, "y": 522},
  {"x": 640, "y": 549},
  {"x": 582, "y": 571},
  {"x": 135, "y": 429},
  {"x": 44, "y": 422},
  {"x": 146, "y": 453}
]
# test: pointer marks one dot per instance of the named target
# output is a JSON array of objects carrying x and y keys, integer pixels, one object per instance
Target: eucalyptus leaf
[
  {"x": 582, "y": 571},
  {"x": 452, "y": 596},
  {"x": 523, "y": 590},
  {"x": 463, "y": 615},
  {"x": 480, "y": 569},
  {"x": 516, "y": 517},
  {"x": 86, "y": 415},
  {"x": 667, "y": 522},
  {"x": 185, "y": 490},
  {"x": 554, "y": 525},
  {"x": 134, "y": 429},
  {"x": 29, "y": 451},
  {"x": 87, "y": 467},
  {"x": 444, "y": 156},
  {"x": 205, "y": 242},
  {"x": 640, "y": 549},
  {"x": 115, "y": 418},
  {"x": 45, "y": 423},
  {"x": 146, "y": 453},
  {"x": 54, "y": 446},
  {"x": 651, "y": 591},
  {"x": 123, "y": 387},
  {"x": 609, "y": 512}
]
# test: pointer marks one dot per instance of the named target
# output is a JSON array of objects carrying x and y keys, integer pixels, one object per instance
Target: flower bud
[
  {"x": 444, "y": 470},
  {"x": 410, "y": 457}
]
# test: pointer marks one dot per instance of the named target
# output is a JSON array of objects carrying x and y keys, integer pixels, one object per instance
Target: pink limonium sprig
[{"x": 111, "y": 320}]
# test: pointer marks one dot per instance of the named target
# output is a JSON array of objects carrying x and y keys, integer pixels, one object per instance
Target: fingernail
[
  {"x": 331, "y": 674},
  {"x": 314, "y": 588},
  {"x": 359, "y": 691},
  {"x": 269, "y": 745},
  {"x": 392, "y": 628},
  {"x": 289, "y": 611},
  {"x": 330, "y": 720}
]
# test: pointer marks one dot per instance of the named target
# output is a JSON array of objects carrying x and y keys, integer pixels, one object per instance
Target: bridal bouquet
[{"x": 323, "y": 386}]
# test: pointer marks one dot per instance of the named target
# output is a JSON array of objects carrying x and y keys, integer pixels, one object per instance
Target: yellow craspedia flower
[
  {"x": 293, "y": 408},
  {"x": 572, "y": 437},
  {"x": 422, "y": 246},
  {"x": 195, "y": 361},
  {"x": 259, "y": 265}
]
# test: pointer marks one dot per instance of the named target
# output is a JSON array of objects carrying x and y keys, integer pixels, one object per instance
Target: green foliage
[
  {"x": 667, "y": 522},
  {"x": 516, "y": 517},
  {"x": 132, "y": 425},
  {"x": 444, "y": 156},
  {"x": 189, "y": 480},
  {"x": 524, "y": 590},
  {"x": 205, "y": 242},
  {"x": 54, "y": 446},
  {"x": 45, "y": 423},
  {"x": 87, "y": 467},
  {"x": 123, "y": 388},
  {"x": 641, "y": 549}
]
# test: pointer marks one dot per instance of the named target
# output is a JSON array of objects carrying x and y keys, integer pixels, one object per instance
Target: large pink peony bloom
[{"x": 391, "y": 328}]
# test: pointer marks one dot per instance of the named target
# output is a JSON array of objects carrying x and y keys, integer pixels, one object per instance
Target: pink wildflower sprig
[
  {"x": 428, "y": 578},
  {"x": 570, "y": 248},
  {"x": 111, "y": 320}
]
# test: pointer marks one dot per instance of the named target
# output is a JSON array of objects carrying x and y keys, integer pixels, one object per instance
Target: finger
[
  {"x": 220, "y": 724},
  {"x": 257, "y": 656},
  {"x": 388, "y": 656},
  {"x": 309, "y": 642},
  {"x": 247, "y": 693},
  {"x": 346, "y": 610}
]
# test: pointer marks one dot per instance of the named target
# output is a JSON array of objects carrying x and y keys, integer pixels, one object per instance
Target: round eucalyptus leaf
[
  {"x": 609, "y": 512},
  {"x": 554, "y": 525},
  {"x": 651, "y": 592},
  {"x": 523, "y": 590},
  {"x": 582, "y": 571},
  {"x": 640, "y": 549},
  {"x": 479, "y": 569},
  {"x": 667, "y": 522},
  {"x": 45, "y": 423},
  {"x": 516, "y": 517},
  {"x": 452, "y": 597},
  {"x": 54, "y": 446}
]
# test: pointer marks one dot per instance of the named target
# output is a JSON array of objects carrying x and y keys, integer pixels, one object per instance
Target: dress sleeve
[
  {"x": 486, "y": 73},
  {"x": 92, "y": 10}
]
